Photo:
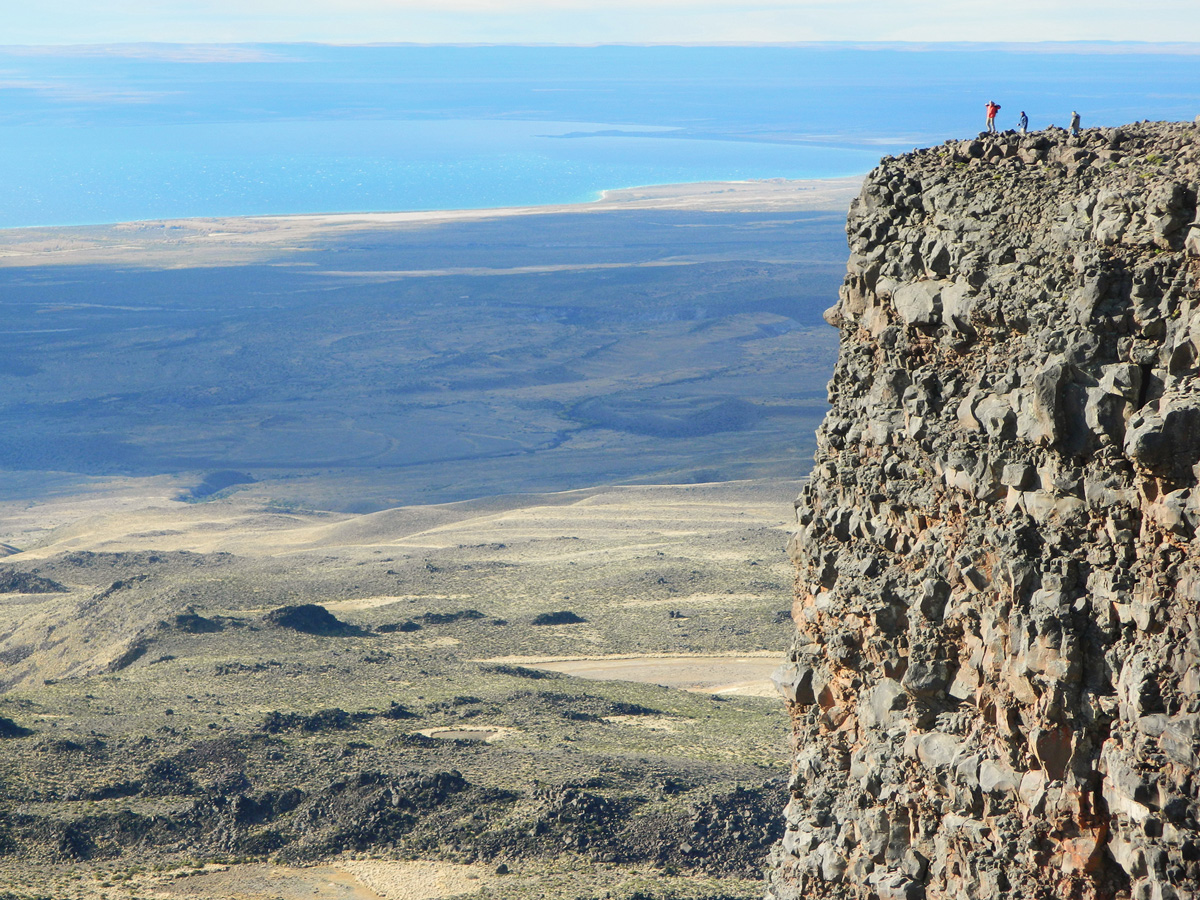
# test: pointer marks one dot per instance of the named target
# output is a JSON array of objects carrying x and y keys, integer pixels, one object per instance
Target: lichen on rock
[{"x": 995, "y": 681}]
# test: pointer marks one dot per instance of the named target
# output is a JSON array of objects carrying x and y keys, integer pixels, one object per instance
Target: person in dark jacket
[{"x": 1023, "y": 123}]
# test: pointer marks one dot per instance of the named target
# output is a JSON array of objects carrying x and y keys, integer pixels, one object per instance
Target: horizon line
[{"x": 1013, "y": 46}]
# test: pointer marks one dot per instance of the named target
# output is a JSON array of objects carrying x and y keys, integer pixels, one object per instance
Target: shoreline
[{"x": 223, "y": 240}]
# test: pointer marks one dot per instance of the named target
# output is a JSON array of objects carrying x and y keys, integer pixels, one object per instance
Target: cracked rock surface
[{"x": 995, "y": 682}]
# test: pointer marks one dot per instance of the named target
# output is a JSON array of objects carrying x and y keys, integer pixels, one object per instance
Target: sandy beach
[{"x": 183, "y": 243}]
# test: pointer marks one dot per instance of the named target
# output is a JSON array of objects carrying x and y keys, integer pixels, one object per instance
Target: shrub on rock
[
  {"x": 310, "y": 619},
  {"x": 562, "y": 617}
]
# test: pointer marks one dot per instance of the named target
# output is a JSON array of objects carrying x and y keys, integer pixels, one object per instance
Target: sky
[{"x": 589, "y": 21}]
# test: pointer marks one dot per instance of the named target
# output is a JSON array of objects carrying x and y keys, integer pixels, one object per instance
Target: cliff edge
[{"x": 995, "y": 683}]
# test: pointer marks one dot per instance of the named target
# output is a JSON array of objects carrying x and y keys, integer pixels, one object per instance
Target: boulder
[
  {"x": 918, "y": 303},
  {"x": 794, "y": 683},
  {"x": 1164, "y": 440}
]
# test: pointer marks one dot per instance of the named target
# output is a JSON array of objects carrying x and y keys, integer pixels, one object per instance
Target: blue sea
[
  {"x": 94, "y": 135},
  {"x": 88, "y": 174}
]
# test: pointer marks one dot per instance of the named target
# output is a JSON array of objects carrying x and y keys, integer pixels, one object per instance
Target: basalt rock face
[{"x": 995, "y": 684}]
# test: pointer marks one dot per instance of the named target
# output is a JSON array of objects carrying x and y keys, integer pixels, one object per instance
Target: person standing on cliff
[
  {"x": 992, "y": 108},
  {"x": 1074, "y": 123},
  {"x": 1023, "y": 123}
]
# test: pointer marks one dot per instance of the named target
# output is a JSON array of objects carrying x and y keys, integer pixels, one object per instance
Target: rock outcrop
[{"x": 995, "y": 683}]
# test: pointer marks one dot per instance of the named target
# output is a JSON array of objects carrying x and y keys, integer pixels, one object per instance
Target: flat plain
[{"x": 364, "y": 363}]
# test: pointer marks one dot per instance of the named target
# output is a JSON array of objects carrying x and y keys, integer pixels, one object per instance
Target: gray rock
[
  {"x": 1122, "y": 379},
  {"x": 1179, "y": 740},
  {"x": 886, "y": 700},
  {"x": 794, "y": 683},
  {"x": 926, "y": 678},
  {"x": 958, "y": 303},
  {"x": 1106, "y": 414},
  {"x": 994, "y": 777},
  {"x": 1019, "y": 475},
  {"x": 1165, "y": 441},
  {"x": 934, "y": 594},
  {"x": 919, "y": 303},
  {"x": 1046, "y": 419},
  {"x": 897, "y": 886},
  {"x": 936, "y": 750}
]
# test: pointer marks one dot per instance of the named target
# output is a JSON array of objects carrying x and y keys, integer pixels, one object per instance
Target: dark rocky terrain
[{"x": 995, "y": 684}]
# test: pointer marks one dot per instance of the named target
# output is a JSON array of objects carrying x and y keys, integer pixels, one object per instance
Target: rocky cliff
[{"x": 995, "y": 683}]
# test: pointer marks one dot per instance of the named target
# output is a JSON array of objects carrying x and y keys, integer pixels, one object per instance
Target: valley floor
[{"x": 360, "y": 363}]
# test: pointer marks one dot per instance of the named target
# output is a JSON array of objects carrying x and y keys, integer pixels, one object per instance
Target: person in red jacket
[{"x": 992, "y": 108}]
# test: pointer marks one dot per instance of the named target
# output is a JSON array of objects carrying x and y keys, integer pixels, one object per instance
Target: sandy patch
[
  {"x": 344, "y": 880},
  {"x": 486, "y": 733},
  {"x": 263, "y": 882},
  {"x": 745, "y": 676},
  {"x": 650, "y": 723},
  {"x": 441, "y": 642},
  {"x": 245, "y": 240},
  {"x": 727, "y": 601},
  {"x": 553, "y": 529},
  {"x": 23, "y": 522},
  {"x": 376, "y": 602},
  {"x": 756, "y": 688},
  {"x": 415, "y": 880},
  {"x": 384, "y": 275}
]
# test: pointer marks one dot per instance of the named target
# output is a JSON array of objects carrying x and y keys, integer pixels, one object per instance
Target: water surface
[{"x": 112, "y": 134}]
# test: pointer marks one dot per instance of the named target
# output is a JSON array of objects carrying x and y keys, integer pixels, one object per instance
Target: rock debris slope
[{"x": 995, "y": 682}]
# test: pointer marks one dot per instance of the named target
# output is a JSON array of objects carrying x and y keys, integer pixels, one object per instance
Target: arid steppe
[{"x": 177, "y": 727}]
